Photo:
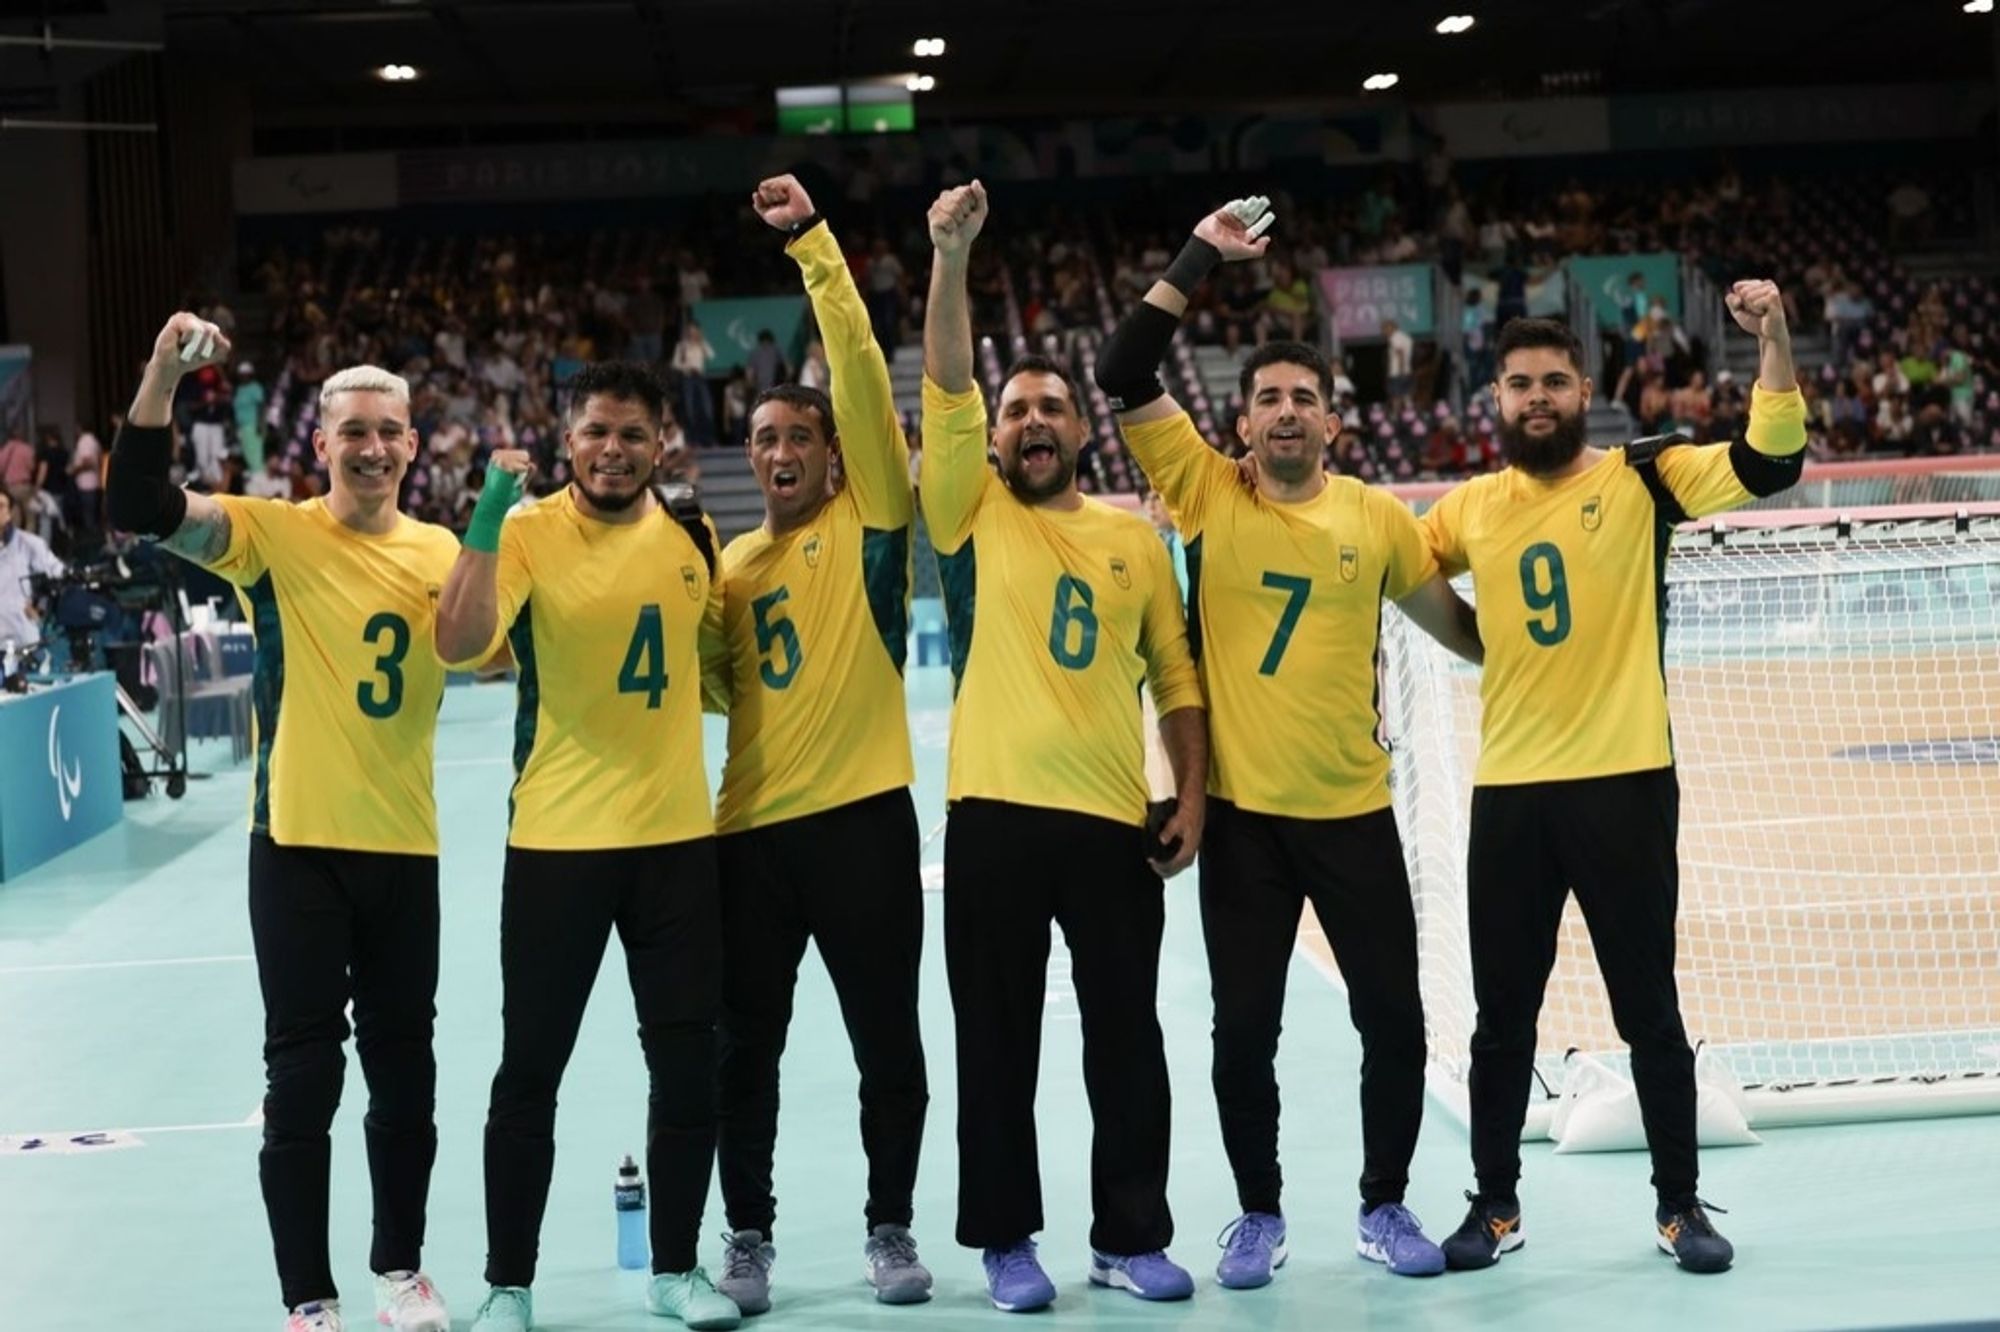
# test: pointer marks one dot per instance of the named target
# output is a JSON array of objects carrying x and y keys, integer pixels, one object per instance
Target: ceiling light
[
  {"x": 1456, "y": 23},
  {"x": 920, "y": 82},
  {"x": 1380, "y": 82},
  {"x": 928, "y": 46},
  {"x": 1979, "y": 6},
  {"x": 396, "y": 73}
]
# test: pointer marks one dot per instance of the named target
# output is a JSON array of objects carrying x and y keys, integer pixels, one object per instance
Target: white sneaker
[
  {"x": 408, "y": 1302},
  {"x": 315, "y": 1316}
]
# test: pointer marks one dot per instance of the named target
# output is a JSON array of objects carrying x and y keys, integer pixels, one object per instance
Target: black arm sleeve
[
  {"x": 1763, "y": 473},
  {"x": 1128, "y": 366},
  {"x": 137, "y": 493}
]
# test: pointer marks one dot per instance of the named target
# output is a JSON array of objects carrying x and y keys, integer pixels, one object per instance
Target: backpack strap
[
  {"x": 1643, "y": 456},
  {"x": 683, "y": 505}
]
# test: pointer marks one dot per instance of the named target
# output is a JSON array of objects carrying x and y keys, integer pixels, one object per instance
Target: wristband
[
  {"x": 499, "y": 494},
  {"x": 1191, "y": 266}
]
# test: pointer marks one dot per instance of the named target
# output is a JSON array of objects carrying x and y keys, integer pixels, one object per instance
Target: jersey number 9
[{"x": 1550, "y": 625}]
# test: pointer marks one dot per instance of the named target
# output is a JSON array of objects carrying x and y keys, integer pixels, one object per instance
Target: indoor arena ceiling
[{"x": 717, "y": 60}]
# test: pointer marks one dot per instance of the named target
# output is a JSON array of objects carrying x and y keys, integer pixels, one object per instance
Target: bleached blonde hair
[{"x": 363, "y": 379}]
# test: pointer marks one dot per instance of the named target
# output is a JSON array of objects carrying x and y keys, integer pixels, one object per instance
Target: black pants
[
  {"x": 1612, "y": 840},
  {"x": 557, "y": 910},
  {"x": 1257, "y": 872},
  {"x": 1009, "y": 871},
  {"x": 330, "y": 927},
  {"x": 848, "y": 879}
]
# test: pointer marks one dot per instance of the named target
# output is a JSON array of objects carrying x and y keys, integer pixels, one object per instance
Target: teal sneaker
[
  {"x": 507, "y": 1309},
  {"x": 691, "y": 1297}
]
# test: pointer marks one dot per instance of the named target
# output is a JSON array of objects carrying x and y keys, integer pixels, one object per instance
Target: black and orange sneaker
[
  {"x": 1685, "y": 1231},
  {"x": 1490, "y": 1229}
]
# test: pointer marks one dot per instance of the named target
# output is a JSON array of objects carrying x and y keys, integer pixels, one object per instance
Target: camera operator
[{"x": 21, "y": 554}]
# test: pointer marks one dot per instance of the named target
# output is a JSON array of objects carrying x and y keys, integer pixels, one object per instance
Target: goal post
[{"x": 1834, "y": 686}]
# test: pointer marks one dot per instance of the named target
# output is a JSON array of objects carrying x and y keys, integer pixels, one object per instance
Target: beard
[
  {"x": 1542, "y": 455},
  {"x": 1015, "y": 474}
]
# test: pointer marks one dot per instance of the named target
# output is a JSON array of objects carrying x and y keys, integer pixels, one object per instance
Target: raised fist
[
  {"x": 956, "y": 218},
  {"x": 782, "y": 202}
]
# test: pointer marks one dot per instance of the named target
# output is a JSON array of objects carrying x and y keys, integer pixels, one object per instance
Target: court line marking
[{"x": 135, "y": 962}]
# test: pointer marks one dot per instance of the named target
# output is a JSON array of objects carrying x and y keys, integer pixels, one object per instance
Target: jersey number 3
[
  {"x": 384, "y": 699},
  {"x": 1546, "y": 590}
]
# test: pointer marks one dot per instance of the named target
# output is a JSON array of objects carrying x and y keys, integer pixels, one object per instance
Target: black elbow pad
[
  {"x": 1128, "y": 366},
  {"x": 138, "y": 497},
  {"x": 1763, "y": 473}
]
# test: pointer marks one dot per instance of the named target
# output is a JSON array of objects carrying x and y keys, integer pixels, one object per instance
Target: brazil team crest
[
  {"x": 1350, "y": 564},
  {"x": 691, "y": 581},
  {"x": 1120, "y": 574},
  {"x": 1593, "y": 513},
  {"x": 811, "y": 551}
]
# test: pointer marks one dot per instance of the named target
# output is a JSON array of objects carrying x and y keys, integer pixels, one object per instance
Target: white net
[{"x": 1835, "y": 693}]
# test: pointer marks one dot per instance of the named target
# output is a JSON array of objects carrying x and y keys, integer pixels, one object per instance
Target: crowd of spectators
[{"x": 488, "y": 327}]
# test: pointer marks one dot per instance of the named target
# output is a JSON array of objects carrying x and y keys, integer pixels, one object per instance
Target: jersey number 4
[{"x": 645, "y": 668}]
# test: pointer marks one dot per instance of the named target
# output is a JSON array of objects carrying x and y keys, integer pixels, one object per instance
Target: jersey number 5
[
  {"x": 773, "y": 634},
  {"x": 387, "y": 698},
  {"x": 645, "y": 668},
  {"x": 1551, "y": 606}
]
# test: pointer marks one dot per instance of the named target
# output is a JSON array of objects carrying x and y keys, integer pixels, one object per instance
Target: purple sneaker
[
  {"x": 1391, "y": 1234},
  {"x": 1150, "y": 1276},
  {"x": 1015, "y": 1280},
  {"x": 1253, "y": 1247}
]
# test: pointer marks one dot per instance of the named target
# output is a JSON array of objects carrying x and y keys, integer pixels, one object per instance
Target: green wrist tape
[{"x": 499, "y": 494}]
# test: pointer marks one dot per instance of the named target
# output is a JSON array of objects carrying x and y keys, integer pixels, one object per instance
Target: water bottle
[{"x": 630, "y": 1198}]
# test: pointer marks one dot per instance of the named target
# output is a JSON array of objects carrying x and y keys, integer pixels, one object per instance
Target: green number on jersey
[
  {"x": 645, "y": 668},
  {"x": 1297, "y": 590},
  {"x": 387, "y": 699},
  {"x": 1074, "y": 601},
  {"x": 1551, "y": 606},
  {"x": 776, "y": 633}
]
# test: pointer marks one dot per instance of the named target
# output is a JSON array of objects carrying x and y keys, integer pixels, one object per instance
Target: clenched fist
[{"x": 956, "y": 218}]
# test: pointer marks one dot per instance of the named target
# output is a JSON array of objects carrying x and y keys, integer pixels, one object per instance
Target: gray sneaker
[
  {"x": 746, "y": 1270},
  {"x": 893, "y": 1268}
]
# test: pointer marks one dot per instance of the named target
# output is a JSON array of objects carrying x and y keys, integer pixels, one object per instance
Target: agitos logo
[{"x": 69, "y": 782}]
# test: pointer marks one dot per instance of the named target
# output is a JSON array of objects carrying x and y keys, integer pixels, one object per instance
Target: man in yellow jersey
[
  {"x": 603, "y": 593},
  {"x": 818, "y": 834},
  {"x": 1286, "y": 584},
  {"x": 343, "y": 825},
  {"x": 1576, "y": 789},
  {"x": 1058, "y": 608}
]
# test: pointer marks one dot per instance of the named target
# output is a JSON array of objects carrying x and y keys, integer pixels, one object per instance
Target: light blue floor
[{"x": 1875, "y": 1226}]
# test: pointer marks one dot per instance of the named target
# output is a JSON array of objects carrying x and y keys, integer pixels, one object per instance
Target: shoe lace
[
  {"x": 503, "y": 1297},
  {"x": 1694, "y": 1216},
  {"x": 1245, "y": 1232},
  {"x": 897, "y": 1246},
  {"x": 742, "y": 1257},
  {"x": 1017, "y": 1261},
  {"x": 415, "y": 1289},
  {"x": 1396, "y": 1221}
]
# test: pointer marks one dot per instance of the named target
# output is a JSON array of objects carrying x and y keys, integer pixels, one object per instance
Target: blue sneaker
[
  {"x": 1392, "y": 1234},
  {"x": 1150, "y": 1276},
  {"x": 1015, "y": 1280},
  {"x": 1253, "y": 1247}
]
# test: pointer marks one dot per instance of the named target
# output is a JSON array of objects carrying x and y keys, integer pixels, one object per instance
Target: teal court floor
[{"x": 128, "y": 1001}]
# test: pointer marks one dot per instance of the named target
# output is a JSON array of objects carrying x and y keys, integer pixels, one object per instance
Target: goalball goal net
[{"x": 1834, "y": 682}]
